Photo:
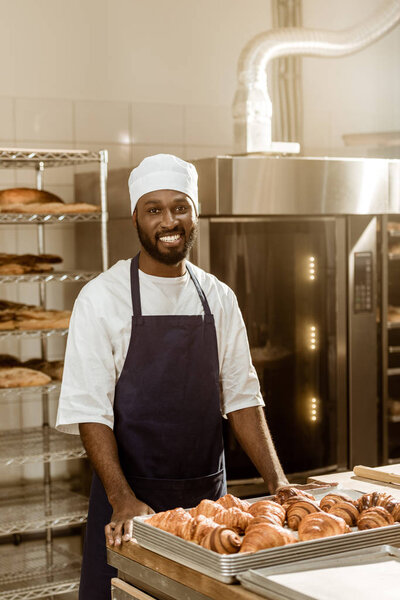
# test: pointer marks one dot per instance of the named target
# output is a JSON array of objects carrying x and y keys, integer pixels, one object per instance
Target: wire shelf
[
  {"x": 24, "y": 218},
  {"x": 394, "y": 349},
  {"x": 46, "y": 277},
  {"x": 32, "y": 333},
  {"x": 33, "y": 389},
  {"x": 32, "y": 157},
  {"x": 394, "y": 255},
  {"x": 393, "y": 325},
  {"x": 21, "y": 446},
  {"x": 394, "y": 418},
  {"x": 25, "y": 508},
  {"x": 31, "y": 571}
]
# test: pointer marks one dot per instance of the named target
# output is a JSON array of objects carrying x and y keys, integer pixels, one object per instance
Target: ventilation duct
[{"x": 252, "y": 106}]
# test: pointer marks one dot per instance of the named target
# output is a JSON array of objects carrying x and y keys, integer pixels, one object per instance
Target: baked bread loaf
[
  {"x": 287, "y": 491},
  {"x": 52, "y": 368},
  {"x": 319, "y": 525},
  {"x": 228, "y": 501},
  {"x": 18, "y": 196},
  {"x": 11, "y": 377},
  {"x": 222, "y": 540},
  {"x": 298, "y": 510},
  {"x": 37, "y": 318},
  {"x": 347, "y": 511},
  {"x": 273, "y": 510},
  {"x": 14, "y": 264},
  {"x": 330, "y": 499},
  {"x": 266, "y": 535},
  {"x": 373, "y": 517}
]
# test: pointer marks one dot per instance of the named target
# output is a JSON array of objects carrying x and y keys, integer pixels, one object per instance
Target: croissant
[
  {"x": 202, "y": 526},
  {"x": 376, "y": 499},
  {"x": 347, "y": 511},
  {"x": 234, "y": 518},
  {"x": 330, "y": 499},
  {"x": 396, "y": 512},
  {"x": 267, "y": 507},
  {"x": 298, "y": 510},
  {"x": 319, "y": 525},
  {"x": 266, "y": 535},
  {"x": 170, "y": 520},
  {"x": 267, "y": 518},
  {"x": 229, "y": 501},
  {"x": 373, "y": 517},
  {"x": 222, "y": 540},
  {"x": 287, "y": 491},
  {"x": 208, "y": 508}
]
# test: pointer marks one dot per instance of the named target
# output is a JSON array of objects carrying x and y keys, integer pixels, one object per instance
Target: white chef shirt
[{"x": 100, "y": 331}]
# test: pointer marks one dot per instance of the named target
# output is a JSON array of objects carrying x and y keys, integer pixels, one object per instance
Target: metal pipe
[
  {"x": 104, "y": 211},
  {"x": 252, "y": 106}
]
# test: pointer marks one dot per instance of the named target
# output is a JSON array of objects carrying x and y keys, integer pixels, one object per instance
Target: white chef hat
[{"x": 163, "y": 172}]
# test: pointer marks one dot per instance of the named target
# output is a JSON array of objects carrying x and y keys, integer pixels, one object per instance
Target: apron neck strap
[
  {"x": 199, "y": 289},
  {"x": 135, "y": 289}
]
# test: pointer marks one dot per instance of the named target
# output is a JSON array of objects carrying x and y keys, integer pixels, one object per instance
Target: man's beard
[{"x": 171, "y": 256}]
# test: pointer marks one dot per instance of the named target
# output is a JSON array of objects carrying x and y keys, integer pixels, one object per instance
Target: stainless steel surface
[
  {"x": 27, "y": 574},
  {"x": 22, "y": 446},
  {"x": 151, "y": 582},
  {"x": 259, "y": 185},
  {"x": 362, "y": 350},
  {"x": 263, "y": 581},
  {"x": 226, "y": 567}
]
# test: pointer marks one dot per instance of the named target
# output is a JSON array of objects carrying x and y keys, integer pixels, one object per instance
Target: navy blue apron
[{"x": 167, "y": 424}]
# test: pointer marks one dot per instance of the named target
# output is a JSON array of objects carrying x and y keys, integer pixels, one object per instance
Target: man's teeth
[{"x": 170, "y": 238}]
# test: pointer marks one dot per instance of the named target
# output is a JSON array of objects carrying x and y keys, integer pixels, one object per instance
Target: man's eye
[
  {"x": 181, "y": 208},
  {"x": 153, "y": 211}
]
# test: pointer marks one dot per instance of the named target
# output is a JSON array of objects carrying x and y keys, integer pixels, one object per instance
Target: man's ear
[{"x": 134, "y": 218}]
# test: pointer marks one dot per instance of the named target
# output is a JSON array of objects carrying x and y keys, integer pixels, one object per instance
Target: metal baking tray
[
  {"x": 369, "y": 573},
  {"x": 225, "y": 567}
]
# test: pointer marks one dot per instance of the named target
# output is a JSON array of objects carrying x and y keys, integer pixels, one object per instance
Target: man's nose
[{"x": 168, "y": 219}]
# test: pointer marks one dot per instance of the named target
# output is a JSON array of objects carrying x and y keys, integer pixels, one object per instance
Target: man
[{"x": 144, "y": 390}]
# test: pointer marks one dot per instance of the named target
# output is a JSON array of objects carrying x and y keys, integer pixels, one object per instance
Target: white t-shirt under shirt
[{"x": 100, "y": 331}]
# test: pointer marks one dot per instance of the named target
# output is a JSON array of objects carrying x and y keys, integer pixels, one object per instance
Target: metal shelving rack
[{"x": 41, "y": 569}]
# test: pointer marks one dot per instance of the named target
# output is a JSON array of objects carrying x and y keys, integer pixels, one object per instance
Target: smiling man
[{"x": 152, "y": 343}]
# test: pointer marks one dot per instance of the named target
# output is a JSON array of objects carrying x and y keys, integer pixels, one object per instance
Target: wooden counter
[{"x": 148, "y": 575}]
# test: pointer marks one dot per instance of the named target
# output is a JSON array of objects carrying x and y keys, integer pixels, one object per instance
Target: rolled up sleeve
[{"x": 88, "y": 385}]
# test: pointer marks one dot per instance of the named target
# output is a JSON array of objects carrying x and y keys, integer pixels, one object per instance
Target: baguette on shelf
[
  {"x": 40, "y": 202},
  {"x": 245, "y": 527},
  {"x": 14, "y": 315},
  {"x": 33, "y": 372},
  {"x": 21, "y": 264}
]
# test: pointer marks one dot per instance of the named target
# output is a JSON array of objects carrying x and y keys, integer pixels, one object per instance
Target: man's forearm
[
  {"x": 252, "y": 432},
  {"x": 101, "y": 448}
]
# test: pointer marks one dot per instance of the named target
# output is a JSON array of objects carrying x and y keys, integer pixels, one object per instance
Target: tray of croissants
[{"x": 224, "y": 538}]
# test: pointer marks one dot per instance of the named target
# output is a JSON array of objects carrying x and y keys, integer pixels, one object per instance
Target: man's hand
[
  {"x": 121, "y": 524},
  {"x": 308, "y": 486}
]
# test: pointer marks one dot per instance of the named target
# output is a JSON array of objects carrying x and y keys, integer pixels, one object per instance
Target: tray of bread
[{"x": 224, "y": 538}]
